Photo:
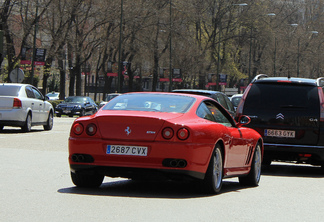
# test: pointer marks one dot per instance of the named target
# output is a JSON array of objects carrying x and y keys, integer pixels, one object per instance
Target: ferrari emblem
[{"x": 128, "y": 130}]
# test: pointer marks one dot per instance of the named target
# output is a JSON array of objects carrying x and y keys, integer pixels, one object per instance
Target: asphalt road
[{"x": 36, "y": 186}]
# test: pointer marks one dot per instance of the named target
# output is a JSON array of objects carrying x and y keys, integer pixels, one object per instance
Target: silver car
[{"x": 24, "y": 106}]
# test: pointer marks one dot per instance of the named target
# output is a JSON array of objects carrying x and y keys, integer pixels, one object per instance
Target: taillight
[
  {"x": 17, "y": 103},
  {"x": 77, "y": 128},
  {"x": 321, "y": 98},
  {"x": 91, "y": 129},
  {"x": 183, "y": 134},
  {"x": 239, "y": 110},
  {"x": 167, "y": 133}
]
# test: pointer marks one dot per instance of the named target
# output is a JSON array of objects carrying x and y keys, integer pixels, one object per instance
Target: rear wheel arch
[
  {"x": 212, "y": 182},
  {"x": 29, "y": 112},
  {"x": 222, "y": 148},
  {"x": 260, "y": 141}
]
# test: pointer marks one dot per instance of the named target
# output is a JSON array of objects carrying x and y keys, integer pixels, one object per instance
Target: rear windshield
[
  {"x": 8, "y": 90},
  {"x": 282, "y": 96},
  {"x": 151, "y": 102}
]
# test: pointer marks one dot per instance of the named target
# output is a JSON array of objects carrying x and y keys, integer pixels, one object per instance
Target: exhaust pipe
[
  {"x": 175, "y": 163},
  {"x": 82, "y": 158}
]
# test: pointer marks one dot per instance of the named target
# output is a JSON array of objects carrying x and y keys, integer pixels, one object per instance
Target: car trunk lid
[
  {"x": 6, "y": 102},
  {"x": 126, "y": 125}
]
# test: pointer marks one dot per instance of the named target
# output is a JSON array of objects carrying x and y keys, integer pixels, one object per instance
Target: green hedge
[{"x": 55, "y": 102}]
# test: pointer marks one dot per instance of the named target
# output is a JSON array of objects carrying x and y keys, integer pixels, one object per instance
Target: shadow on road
[
  {"x": 152, "y": 189},
  {"x": 18, "y": 130},
  {"x": 292, "y": 170}
]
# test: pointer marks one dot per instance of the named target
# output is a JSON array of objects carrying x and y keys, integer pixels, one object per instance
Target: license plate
[
  {"x": 127, "y": 150},
  {"x": 279, "y": 133},
  {"x": 66, "y": 111}
]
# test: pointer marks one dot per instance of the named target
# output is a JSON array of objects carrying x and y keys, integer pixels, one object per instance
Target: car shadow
[
  {"x": 18, "y": 130},
  {"x": 152, "y": 189},
  {"x": 292, "y": 170}
]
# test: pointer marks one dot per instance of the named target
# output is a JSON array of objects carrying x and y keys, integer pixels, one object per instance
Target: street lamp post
[
  {"x": 120, "y": 47},
  {"x": 240, "y": 5},
  {"x": 34, "y": 46},
  {"x": 170, "y": 74}
]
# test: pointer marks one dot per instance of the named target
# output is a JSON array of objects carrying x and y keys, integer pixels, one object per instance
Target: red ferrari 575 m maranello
[{"x": 164, "y": 135}]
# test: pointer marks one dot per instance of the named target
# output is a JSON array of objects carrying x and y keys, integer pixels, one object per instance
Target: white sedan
[{"x": 24, "y": 106}]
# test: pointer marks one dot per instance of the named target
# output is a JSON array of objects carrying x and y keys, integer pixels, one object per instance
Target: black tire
[
  {"x": 86, "y": 180},
  {"x": 214, "y": 176},
  {"x": 28, "y": 123},
  {"x": 49, "y": 123},
  {"x": 322, "y": 168},
  {"x": 253, "y": 178},
  {"x": 1, "y": 127},
  {"x": 266, "y": 162},
  {"x": 58, "y": 115}
]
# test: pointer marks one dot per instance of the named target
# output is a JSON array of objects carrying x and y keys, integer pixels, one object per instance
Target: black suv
[
  {"x": 220, "y": 97},
  {"x": 289, "y": 115}
]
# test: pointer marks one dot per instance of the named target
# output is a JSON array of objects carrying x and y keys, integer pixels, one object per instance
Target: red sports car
[{"x": 164, "y": 135}]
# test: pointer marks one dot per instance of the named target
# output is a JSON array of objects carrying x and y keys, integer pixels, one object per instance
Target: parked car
[
  {"x": 216, "y": 95},
  {"x": 108, "y": 98},
  {"x": 53, "y": 95},
  {"x": 24, "y": 106},
  {"x": 289, "y": 114},
  {"x": 175, "y": 136},
  {"x": 235, "y": 99},
  {"x": 76, "y": 105}
]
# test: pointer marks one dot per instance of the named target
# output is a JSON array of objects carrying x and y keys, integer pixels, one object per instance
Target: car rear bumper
[
  {"x": 306, "y": 153},
  {"x": 12, "y": 123},
  {"x": 158, "y": 159},
  {"x": 13, "y": 117},
  {"x": 137, "y": 173}
]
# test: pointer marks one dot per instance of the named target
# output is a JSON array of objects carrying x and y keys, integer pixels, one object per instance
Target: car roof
[
  {"x": 15, "y": 84},
  {"x": 199, "y": 97},
  {"x": 293, "y": 80},
  {"x": 197, "y": 91},
  {"x": 79, "y": 96}
]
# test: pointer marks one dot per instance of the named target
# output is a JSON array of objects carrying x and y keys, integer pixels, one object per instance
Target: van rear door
[{"x": 284, "y": 113}]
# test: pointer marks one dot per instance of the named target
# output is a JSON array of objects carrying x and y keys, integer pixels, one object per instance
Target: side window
[
  {"x": 38, "y": 95},
  {"x": 218, "y": 115},
  {"x": 204, "y": 112},
  {"x": 229, "y": 105},
  {"x": 29, "y": 92},
  {"x": 221, "y": 100}
]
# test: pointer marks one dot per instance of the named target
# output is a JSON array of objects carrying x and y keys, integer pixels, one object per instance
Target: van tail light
[
  {"x": 17, "y": 103},
  {"x": 239, "y": 110},
  {"x": 321, "y": 98}
]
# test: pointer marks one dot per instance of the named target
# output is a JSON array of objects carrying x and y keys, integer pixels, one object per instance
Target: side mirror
[
  {"x": 243, "y": 120},
  {"x": 46, "y": 98}
]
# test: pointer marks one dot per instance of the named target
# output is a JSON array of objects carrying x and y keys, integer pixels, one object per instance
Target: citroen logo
[
  {"x": 128, "y": 130},
  {"x": 280, "y": 116}
]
